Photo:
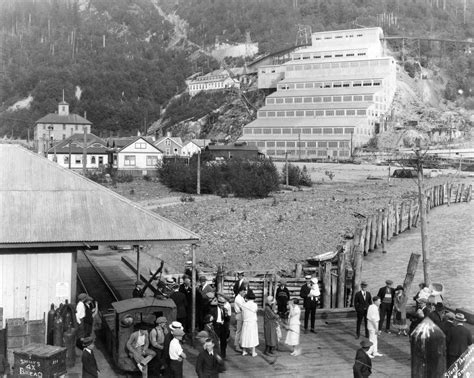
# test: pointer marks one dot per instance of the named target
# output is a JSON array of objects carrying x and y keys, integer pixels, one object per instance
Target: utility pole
[
  {"x": 84, "y": 151},
  {"x": 299, "y": 146},
  {"x": 286, "y": 165},
  {"x": 352, "y": 135},
  {"x": 422, "y": 206},
  {"x": 198, "y": 186}
]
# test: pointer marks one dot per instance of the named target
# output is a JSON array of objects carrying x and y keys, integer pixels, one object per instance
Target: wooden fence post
[
  {"x": 450, "y": 187},
  {"x": 402, "y": 215},
  {"x": 298, "y": 270},
  {"x": 411, "y": 270},
  {"x": 373, "y": 232},
  {"x": 379, "y": 227},
  {"x": 410, "y": 214},
  {"x": 389, "y": 222},
  {"x": 396, "y": 222},
  {"x": 469, "y": 194},
  {"x": 368, "y": 230},
  {"x": 341, "y": 271},
  {"x": 384, "y": 224},
  {"x": 462, "y": 193},
  {"x": 327, "y": 285}
]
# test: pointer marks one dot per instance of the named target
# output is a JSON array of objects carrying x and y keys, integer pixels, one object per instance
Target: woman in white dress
[
  {"x": 249, "y": 336},
  {"x": 293, "y": 334}
]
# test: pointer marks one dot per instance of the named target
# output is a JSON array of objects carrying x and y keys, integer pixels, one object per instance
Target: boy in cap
[
  {"x": 176, "y": 354},
  {"x": 386, "y": 295},
  {"x": 80, "y": 315},
  {"x": 157, "y": 341},
  {"x": 89, "y": 364},
  {"x": 362, "y": 301},
  {"x": 363, "y": 365},
  {"x": 221, "y": 323}
]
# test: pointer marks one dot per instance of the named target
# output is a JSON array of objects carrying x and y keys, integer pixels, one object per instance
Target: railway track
[{"x": 92, "y": 282}]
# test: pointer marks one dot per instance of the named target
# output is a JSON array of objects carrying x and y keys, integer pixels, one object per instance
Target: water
[{"x": 451, "y": 249}]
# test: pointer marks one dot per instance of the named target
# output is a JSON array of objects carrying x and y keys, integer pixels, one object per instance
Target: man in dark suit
[
  {"x": 387, "y": 296},
  {"x": 458, "y": 340},
  {"x": 187, "y": 290},
  {"x": 240, "y": 283},
  {"x": 363, "y": 365},
  {"x": 209, "y": 363},
  {"x": 310, "y": 301},
  {"x": 221, "y": 324},
  {"x": 362, "y": 301},
  {"x": 89, "y": 364},
  {"x": 179, "y": 299}
]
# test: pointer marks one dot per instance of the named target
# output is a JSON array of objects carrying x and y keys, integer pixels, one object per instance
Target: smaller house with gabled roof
[
  {"x": 70, "y": 152},
  {"x": 138, "y": 157},
  {"x": 171, "y": 146},
  {"x": 56, "y": 127}
]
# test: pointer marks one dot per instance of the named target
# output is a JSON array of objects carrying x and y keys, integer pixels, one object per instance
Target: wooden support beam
[
  {"x": 373, "y": 232},
  {"x": 368, "y": 231},
  {"x": 327, "y": 285},
  {"x": 341, "y": 270},
  {"x": 389, "y": 222},
  {"x": 396, "y": 220},
  {"x": 402, "y": 215},
  {"x": 379, "y": 227}
]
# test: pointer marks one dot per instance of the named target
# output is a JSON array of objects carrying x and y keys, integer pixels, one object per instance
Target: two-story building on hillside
[
  {"x": 56, "y": 127},
  {"x": 220, "y": 79},
  {"x": 331, "y": 97}
]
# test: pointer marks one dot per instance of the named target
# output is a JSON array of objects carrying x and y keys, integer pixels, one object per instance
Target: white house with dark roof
[
  {"x": 139, "y": 156},
  {"x": 69, "y": 152},
  {"x": 55, "y": 127}
]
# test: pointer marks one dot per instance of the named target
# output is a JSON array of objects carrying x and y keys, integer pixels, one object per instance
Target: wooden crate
[{"x": 39, "y": 360}]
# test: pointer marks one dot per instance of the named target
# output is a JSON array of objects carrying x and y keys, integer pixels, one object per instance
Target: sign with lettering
[
  {"x": 464, "y": 365},
  {"x": 29, "y": 368}
]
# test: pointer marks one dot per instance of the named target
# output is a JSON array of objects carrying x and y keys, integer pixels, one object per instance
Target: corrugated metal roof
[
  {"x": 77, "y": 141},
  {"x": 325, "y": 91},
  {"x": 43, "y": 203},
  {"x": 317, "y": 106},
  {"x": 321, "y": 76},
  {"x": 65, "y": 119},
  {"x": 308, "y": 122}
]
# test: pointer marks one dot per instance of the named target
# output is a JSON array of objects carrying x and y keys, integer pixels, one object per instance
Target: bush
[
  {"x": 296, "y": 176},
  {"x": 243, "y": 178},
  {"x": 124, "y": 178}
]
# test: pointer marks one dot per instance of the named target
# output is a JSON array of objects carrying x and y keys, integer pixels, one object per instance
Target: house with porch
[{"x": 69, "y": 153}]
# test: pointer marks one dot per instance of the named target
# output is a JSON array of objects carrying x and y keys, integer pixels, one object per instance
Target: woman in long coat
[
  {"x": 400, "y": 311},
  {"x": 270, "y": 323},
  {"x": 293, "y": 334},
  {"x": 249, "y": 337}
]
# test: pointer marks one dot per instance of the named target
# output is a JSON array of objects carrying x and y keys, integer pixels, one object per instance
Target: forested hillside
[{"x": 112, "y": 58}]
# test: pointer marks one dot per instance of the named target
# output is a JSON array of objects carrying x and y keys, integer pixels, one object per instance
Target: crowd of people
[
  {"x": 389, "y": 307},
  {"x": 162, "y": 352}
]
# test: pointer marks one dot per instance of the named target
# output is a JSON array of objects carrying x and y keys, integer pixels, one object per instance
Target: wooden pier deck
[{"x": 328, "y": 353}]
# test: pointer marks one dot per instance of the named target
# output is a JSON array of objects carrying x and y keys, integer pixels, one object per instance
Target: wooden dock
[{"x": 328, "y": 353}]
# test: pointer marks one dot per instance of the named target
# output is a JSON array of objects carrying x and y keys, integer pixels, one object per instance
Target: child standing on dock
[{"x": 293, "y": 334}]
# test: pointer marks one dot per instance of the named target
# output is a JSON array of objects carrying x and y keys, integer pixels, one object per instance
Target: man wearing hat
[
  {"x": 177, "y": 355},
  {"x": 138, "y": 291},
  {"x": 173, "y": 327},
  {"x": 179, "y": 299},
  {"x": 448, "y": 322},
  {"x": 89, "y": 364},
  {"x": 240, "y": 282},
  {"x": 157, "y": 341},
  {"x": 209, "y": 364},
  {"x": 80, "y": 315},
  {"x": 209, "y": 328},
  {"x": 205, "y": 290},
  {"x": 363, "y": 365},
  {"x": 437, "y": 315},
  {"x": 221, "y": 323},
  {"x": 362, "y": 301},
  {"x": 387, "y": 296},
  {"x": 310, "y": 294},
  {"x": 458, "y": 340}
]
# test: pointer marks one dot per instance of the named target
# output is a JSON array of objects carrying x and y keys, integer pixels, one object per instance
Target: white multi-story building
[
  {"x": 330, "y": 98},
  {"x": 220, "y": 79},
  {"x": 56, "y": 127}
]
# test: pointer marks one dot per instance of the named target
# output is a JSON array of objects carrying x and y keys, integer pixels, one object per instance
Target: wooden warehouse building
[{"x": 49, "y": 213}]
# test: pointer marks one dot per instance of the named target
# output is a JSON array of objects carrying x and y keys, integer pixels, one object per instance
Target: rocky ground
[{"x": 277, "y": 232}]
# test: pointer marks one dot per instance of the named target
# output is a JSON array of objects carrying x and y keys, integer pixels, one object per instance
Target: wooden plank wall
[{"x": 28, "y": 283}]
